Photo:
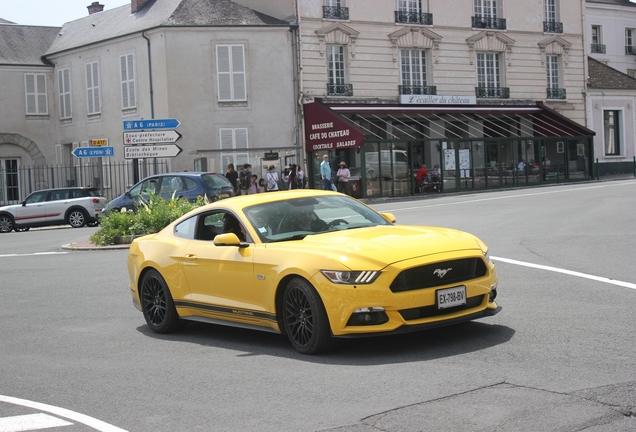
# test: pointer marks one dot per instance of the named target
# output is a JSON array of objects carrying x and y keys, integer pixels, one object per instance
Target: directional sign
[
  {"x": 135, "y": 125},
  {"x": 86, "y": 152},
  {"x": 151, "y": 137},
  {"x": 99, "y": 142},
  {"x": 151, "y": 151}
]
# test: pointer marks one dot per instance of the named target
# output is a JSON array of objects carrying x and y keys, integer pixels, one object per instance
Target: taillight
[{"x": 95, "y": 201}]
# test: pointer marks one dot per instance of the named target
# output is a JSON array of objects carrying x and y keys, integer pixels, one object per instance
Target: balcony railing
[
  {"x": 414, "y": 17},
  {"x": 598, "y": 48},
  {"x": 493, "y": 92},
  {"x": 556, "y": 93},
  {"x": 340, "y": 89},
  {"x": 480, "y": 21},
  {"x": 417, "y": 90},
  {"x": 630, "y": 50},
  {"x": 552, "y": 27},
  {"x": 335, "y": 12}
]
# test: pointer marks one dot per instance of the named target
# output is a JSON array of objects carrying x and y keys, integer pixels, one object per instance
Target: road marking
[
  {"x": 523, "y": 195},
  {"x": 62, "y": 412},
  {"x": 32, "y": 254},
  {"x": 567, "y": 272},
  {"x": 30, "y": 422}
]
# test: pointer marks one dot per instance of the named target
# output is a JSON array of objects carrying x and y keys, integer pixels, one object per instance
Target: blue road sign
[
  {"x": 86, "y": 152},
  {"x": 135, "y": 125}
]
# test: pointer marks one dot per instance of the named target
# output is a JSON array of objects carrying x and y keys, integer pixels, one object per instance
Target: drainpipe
[{"x": 152, "y": 105}]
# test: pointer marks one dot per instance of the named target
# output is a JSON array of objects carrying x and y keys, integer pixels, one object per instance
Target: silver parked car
[{"x": 75, "y": 206}]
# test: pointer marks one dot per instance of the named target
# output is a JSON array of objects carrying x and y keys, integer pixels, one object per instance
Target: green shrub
[{"x": 152, "y": 216}]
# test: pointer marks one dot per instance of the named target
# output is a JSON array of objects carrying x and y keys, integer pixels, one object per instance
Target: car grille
[
  {"x": 433, "y": 311},
  {"x": 442, "y": 273}
]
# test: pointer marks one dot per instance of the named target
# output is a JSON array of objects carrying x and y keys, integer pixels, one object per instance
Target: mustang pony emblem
[{"x": 441, "y": 272}]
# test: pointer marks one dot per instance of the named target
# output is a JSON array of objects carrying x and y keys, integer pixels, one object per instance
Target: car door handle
[{"x": 191, "y": 257}]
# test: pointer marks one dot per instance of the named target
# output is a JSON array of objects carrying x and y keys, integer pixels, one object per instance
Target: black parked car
[{"x": 189, "y": 185}]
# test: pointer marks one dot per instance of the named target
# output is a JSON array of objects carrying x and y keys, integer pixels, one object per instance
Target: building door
[{"x": 9, "y": 181}]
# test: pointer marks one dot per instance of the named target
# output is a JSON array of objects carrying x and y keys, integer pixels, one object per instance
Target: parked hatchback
[
  {"x": 188, "y": 185},
  {"x": 75, "y": 206}
]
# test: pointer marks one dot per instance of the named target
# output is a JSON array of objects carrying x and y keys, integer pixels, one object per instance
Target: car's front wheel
[
  {"x": 305, "y": 319},
  {"x": 157, "y": 304},
  {"x": 76, "y": 218},
  {"x": 6, "y": 224}
]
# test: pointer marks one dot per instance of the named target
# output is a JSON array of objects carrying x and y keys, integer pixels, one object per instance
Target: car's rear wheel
[
  {"x": 76, "y": 218},
  {"x": 305, "y": 319},
  {"x": 6, "y": 224},
  {"x": 157, "y": 304}
]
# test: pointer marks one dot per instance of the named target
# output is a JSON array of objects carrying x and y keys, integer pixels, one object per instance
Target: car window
[
  {"x": 148, "y": 186},
  {"x": 171, "y": 184},
  {"x": 93, "y": 192},
  {"x": 186, "y": 228},
  {"x": 189, "y": 183},
  {"x": 214, "y": 181},
  {"x": 37, "y": 197},
  {"x": 215, "y": 223},
  {"x": 58, "y": 195}
]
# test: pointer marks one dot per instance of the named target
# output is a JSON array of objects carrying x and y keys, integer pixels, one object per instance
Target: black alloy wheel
[
  {"x": 305, "y": 319},
  {"x": 76, "y": 218},
  {"x": 6, "y": 224},
  {"x": 157, "y": 304}
]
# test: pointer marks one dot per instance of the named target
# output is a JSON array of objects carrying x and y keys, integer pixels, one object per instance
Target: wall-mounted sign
[
  {"x": 99, "y": 142},
  {"x": 327, "y": 130},
  {"x": 270, "y": 156},
  {"x": 437, "y": 100}
]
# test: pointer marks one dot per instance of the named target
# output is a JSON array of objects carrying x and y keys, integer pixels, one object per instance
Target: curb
[{"x": 87, "y": 246}]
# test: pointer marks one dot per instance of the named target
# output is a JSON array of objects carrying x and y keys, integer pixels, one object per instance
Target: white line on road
[
  {"x": 32, "y": 254},
  {"x": 30, "y": 422},
  {"x": 567, "y": 272},
  {"x": 521, "y": 195},
  {"x": 62, "y": 412}
]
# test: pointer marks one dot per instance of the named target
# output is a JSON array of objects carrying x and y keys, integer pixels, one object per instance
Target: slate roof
[
  {"x": 25, "y": 45},
  {"x": 4, "y": 21},
  {"x": 602, "y": 76},
  {"x": 118, "y": 22}
]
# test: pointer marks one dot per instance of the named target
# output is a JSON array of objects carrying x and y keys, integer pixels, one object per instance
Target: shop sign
[
  {"x": 437, "y": 100},
  {"x": 270, "y": 156},
  {"x": 327, "y": 130}
]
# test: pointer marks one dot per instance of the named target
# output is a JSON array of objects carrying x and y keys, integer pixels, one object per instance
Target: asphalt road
[{"x": 561, "y": 356}]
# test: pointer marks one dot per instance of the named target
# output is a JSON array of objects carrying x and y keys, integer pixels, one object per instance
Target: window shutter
[
  {"x": 41, "y": 93},
  {"x": 125, "y": 101},
  {"x": 223, "y": 72},
  {"x": 226, "y": 137},
  {"x": 31, "y": 104},
  {"x": 131, "y": 80},
  {"x": 96, "y": 87},
  {"x": 238, "y": 69},
  {"x": 241, "y": 137}
]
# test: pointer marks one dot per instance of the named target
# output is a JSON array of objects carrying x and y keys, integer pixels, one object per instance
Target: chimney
[
  {"x": 135, "y": 5},
  {"x": 94, "y": 8}
]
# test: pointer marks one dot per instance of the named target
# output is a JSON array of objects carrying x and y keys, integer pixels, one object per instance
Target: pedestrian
[
  {"x": 325, "y": 173},
  {"x": 244, "y": 179},
  {"x": 343, "y": 175},
  {"x": 300, "y": 177},
  {"x": 285, "y": 178},
  {"x": 272, "y": 179},
  {"x": 292, "y": 177},
  {"x": 261, "y": 185},
  {"x": 232, "y": 176},
  {"x": 253, "y": 187}
]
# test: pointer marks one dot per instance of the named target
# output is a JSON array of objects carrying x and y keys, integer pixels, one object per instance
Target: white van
[{"x": 396, "y": 168}]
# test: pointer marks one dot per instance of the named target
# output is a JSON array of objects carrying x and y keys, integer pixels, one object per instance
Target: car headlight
[
  {"x": 487, "y": 255},
  {"x": 350, "y": 277}
]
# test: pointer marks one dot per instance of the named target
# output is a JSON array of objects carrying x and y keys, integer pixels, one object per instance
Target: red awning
[{"x": 327, "y": 130}]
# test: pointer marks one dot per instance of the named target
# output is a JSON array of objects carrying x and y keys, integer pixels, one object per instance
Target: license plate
[
  {"x": 450, "y": 297},
  {"x": 223, "y": 195}
]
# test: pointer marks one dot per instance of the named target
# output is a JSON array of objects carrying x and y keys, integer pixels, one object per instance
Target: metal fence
[{"x": 112, "y": 179}]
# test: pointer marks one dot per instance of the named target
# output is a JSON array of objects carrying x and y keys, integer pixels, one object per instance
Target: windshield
[
  {"x": 216, "y": 181},
  {"x": 296, "y": 218}
]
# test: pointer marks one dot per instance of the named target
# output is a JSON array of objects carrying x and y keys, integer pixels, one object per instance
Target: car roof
[
  {"x": 68, "y": 188},
  {"x": 244, "y": 201}
]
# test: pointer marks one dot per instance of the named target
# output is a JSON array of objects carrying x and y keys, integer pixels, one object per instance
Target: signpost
[
  {"x": 86, "y": 152},
  {"x": 151, "y": 151},
  {"x": 152, "y": 124},
  {"x": 151, "y": 137},
  {"x": 99, "y": 142}
]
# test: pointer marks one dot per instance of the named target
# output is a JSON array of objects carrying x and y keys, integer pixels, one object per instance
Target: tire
[
  {"x": 76, "y": 218},
  {"x": 157, "y": 304},
  {"x": 92, "y": 224},
  {"x": 21, "y": 229},
  {"x": 305, "y": 319},
  {"x": 6, "y": 224}
]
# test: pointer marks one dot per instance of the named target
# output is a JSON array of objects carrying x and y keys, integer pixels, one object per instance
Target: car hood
[{"x": 383, "y": 245}]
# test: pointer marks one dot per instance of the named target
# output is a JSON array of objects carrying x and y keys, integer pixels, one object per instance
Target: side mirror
[
  {"x": 229, "y": 239},
  {"x": 127, "y": 193},
  {"x": 23, "y": 203},
  {"x": 389, "y": 217}
]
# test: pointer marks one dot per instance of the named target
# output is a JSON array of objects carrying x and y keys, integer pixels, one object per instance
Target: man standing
[
  {"x": 245, "y": 181},
  {"x": 325, "y": 173}
]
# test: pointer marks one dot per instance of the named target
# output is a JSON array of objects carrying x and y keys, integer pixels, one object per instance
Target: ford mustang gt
[{"x": 312, "y": 265}]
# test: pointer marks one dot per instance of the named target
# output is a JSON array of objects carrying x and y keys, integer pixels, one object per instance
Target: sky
[{"x": 50, "y": 12}]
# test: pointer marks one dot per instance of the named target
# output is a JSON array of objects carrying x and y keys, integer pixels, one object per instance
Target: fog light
[
  {"x": 369, "y": 309},
  {"x": 493, "y": 292},
  {"x": 368, "y": 316}
]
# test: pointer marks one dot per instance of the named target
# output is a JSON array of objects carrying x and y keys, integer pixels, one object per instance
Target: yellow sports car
[{"x": 313, "y": 265}]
